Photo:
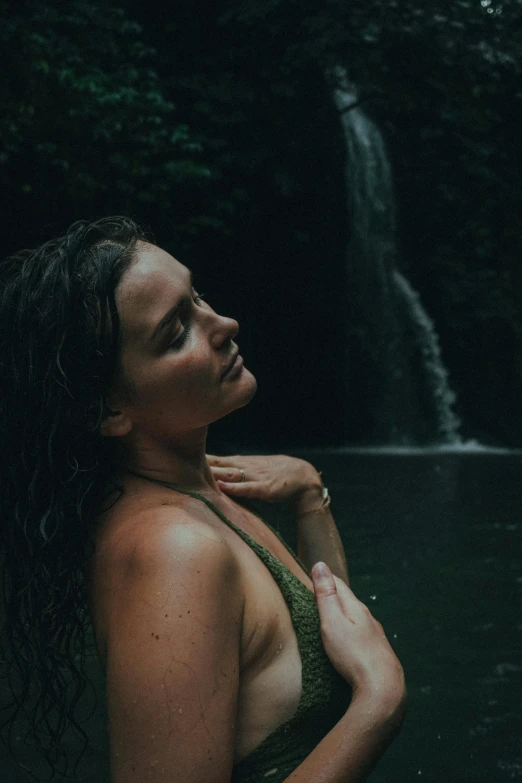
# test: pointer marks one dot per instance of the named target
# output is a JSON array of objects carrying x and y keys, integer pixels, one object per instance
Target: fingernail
[{"x": 321, "y": 570}]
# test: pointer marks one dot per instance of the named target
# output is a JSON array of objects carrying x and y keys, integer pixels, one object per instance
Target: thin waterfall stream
[{"x": 412, "y": 401}]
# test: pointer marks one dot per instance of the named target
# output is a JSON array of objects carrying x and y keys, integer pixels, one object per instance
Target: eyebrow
[{"x": 170, "y": 314}]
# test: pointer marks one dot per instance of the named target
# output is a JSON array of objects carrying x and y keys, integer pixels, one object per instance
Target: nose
[{"x": 224, "y": 330}]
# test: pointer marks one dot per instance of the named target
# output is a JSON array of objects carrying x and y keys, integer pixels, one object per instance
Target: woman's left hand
[{"x": 274, "y": 478}]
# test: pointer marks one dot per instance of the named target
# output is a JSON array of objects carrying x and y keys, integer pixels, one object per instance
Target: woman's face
[{"x": 176, "y": 351}]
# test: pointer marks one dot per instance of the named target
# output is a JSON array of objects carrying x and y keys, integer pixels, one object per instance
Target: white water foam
[{"x": 465, "y": 447}]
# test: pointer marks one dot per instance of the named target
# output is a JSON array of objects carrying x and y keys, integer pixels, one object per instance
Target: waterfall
[
  {"x": 405, "y": 380},
  {"x": 436, "y": 373}
]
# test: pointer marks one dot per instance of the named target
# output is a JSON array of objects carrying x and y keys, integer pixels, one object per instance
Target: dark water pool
[
  {"x": 434, "y": 543},
  {"x": 435, "y": 548}
]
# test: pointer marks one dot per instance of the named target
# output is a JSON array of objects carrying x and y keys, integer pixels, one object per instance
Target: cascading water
[
  {"x": 436, "y": 375},
  {"x": 404, "y": 373}
]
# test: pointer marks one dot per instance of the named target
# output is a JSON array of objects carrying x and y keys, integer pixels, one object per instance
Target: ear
[{"x": 116, "y": 424}]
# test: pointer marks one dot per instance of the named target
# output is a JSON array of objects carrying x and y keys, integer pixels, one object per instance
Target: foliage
[
  {"x": 442, "y": 81},
  {"x": 85, "y": 125},
  {"x": 216, "y": 126}
]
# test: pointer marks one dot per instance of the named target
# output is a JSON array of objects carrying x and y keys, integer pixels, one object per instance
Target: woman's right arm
[{"x": 175, "y": 607}]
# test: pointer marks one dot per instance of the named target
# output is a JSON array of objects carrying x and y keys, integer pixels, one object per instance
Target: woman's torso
[{"x": 270, "y": 678}]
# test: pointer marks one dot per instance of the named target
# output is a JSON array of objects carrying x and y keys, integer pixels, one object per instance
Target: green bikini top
[{"x": 325, "y": 694}]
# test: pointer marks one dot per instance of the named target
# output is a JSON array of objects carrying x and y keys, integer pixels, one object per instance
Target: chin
[
  {"x": 247, "y": 390},
  {"x": 252, "y": 390},
  {"x": 244, "y": 393}
]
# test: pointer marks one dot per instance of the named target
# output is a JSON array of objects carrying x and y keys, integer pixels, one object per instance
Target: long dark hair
[{"x": 59, "y": 338}]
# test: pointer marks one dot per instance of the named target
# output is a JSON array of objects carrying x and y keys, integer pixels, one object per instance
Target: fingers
[
  {"x": 346, "y": 595},
  {"x": 232, "y": 481},
  {"x": 273, "y": 479},
  {"x": 228, "y": 474},
  {"x": 334, "y": 597},
  {"x": 241, "y": 489},
  {"x": 222, "y": 462},
  {"x": 323, "y": 579},
  {"x": 353, "y": 609}
]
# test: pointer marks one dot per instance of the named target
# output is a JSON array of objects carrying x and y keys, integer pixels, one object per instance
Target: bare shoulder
[
  {"x": 170, "y": 598},
  {"x": 165, "y": 550},
  {"x": 162, "y": 534}
]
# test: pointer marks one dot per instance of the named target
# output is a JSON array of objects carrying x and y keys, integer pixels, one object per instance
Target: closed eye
[{"x": 180, "y": 341}]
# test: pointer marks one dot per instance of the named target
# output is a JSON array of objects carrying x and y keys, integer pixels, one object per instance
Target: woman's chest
[
  {"x": 271, "y": 669},
  {"x": 262, "y": 534},
  {"x": 270, "y": 680}
]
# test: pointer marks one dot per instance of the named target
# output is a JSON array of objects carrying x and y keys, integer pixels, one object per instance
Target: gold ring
[{"x": 243, "y": 477}]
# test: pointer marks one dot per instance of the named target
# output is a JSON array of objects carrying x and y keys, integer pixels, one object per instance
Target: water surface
[{"x": 434, "y": 544}]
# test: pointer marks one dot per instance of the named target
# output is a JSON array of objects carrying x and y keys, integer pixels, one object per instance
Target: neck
[{"x": 181, "y": 461}]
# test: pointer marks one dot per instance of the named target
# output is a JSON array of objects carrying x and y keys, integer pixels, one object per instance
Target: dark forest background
[{"x": 214, "y": 125}]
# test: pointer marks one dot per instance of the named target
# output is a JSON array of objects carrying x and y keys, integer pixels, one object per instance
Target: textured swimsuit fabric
[{"x": 325, "y": 695}]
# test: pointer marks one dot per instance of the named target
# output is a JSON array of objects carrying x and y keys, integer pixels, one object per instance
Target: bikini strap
[{"x": 259, "y": 549}]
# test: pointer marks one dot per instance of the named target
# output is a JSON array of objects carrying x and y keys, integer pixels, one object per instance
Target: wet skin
[
  {"x": 195, "y": 637},
  {"x": 175, "y": 350},
  {"x": 175, "y": 359}
]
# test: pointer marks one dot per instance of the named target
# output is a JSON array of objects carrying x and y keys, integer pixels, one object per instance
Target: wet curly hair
[{"x": 59, "y": 347}]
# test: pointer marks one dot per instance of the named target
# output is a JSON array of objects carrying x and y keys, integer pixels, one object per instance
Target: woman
[{"x": 225, "y": 660}]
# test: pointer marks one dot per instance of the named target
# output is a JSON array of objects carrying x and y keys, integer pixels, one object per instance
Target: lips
[{"x": 231, "y": 363}]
